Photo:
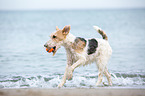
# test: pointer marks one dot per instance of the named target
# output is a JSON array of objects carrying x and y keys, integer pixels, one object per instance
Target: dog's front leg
[
  {"x": 75, "y": 65},
  {"x": 78, "y": 63},
  {"x": 64, "y": 78}
]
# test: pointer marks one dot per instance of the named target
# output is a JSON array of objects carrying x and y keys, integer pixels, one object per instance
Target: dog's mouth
[{"x": 51, "y": 49}]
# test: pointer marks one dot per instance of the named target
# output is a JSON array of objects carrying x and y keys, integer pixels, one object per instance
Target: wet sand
[{"x": 73, "y": 92}]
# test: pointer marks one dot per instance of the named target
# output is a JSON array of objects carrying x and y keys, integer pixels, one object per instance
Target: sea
[{"x": 24, "y": 62}]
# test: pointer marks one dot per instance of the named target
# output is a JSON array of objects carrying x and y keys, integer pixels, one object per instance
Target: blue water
[{"x": 24, "y": 63}]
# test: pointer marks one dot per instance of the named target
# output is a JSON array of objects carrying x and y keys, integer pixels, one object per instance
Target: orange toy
[{"x": 49, "y": 51}]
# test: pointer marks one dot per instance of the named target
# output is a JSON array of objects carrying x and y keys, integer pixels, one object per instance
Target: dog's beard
[{"x": 54, "y": 50}]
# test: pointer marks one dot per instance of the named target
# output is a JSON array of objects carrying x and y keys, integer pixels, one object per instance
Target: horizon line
[{"x": 63, "y": 9}]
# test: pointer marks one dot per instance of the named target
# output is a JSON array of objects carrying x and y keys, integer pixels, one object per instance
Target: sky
[{"x": 69, "y": 4}]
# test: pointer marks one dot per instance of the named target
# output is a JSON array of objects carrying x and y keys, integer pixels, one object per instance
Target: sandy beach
[{"x": 73, "y": 92}]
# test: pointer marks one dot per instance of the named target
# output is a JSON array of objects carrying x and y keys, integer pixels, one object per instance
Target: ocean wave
[{"x": 86, "y": 80}]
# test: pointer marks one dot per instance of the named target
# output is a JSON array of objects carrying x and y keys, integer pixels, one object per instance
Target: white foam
[{"x": 86, "y": 80}]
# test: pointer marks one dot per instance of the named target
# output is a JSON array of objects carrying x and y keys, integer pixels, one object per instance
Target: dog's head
[{"x": 57, "y": 38}]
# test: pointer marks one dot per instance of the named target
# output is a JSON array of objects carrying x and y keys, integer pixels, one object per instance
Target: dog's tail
[{"x": 101, "y": 32}]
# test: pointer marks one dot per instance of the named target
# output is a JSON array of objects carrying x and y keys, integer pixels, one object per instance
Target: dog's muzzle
[{"x": 50, "y": 49}]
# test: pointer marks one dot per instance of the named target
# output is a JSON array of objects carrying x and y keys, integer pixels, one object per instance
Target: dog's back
[{"x": 94, "y": 48}]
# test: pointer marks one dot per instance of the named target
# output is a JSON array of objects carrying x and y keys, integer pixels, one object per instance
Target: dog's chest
[{"x": 72, "y": 55}]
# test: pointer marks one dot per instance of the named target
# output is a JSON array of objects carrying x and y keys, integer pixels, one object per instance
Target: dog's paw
[{"x": 60, "y": 85}]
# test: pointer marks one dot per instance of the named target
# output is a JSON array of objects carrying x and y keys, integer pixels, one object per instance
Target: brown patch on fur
[
  {"x": 103, "y": 34},
  {"x": 78, "y": 45},
  {"x": 60, "y": 35}
]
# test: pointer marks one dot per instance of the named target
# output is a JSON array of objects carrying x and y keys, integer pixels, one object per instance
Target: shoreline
[{"x": 73, "y": 92}]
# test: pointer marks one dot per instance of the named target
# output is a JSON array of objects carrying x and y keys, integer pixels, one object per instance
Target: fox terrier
[{"x": 81, "y": 52}]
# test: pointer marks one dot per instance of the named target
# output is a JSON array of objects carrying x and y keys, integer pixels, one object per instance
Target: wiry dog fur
[{"x": 82, "y": 51}]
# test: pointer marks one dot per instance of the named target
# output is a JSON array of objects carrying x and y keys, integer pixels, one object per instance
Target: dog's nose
[{"x": 45, "y": 45}]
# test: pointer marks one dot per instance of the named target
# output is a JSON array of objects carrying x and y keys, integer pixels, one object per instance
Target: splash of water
[{"x": 86, "y": 80}]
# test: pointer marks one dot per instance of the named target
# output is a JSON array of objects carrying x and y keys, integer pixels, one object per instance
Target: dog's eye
[{"x": 53, "y": 36}]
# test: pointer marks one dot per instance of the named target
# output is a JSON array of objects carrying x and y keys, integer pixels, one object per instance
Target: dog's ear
[
  {"x": 57, "y": 28},
  {"x": 66, "y": 30}
]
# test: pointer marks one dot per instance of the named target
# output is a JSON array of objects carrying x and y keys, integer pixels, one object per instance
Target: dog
[{"x": 81, "y": 52}]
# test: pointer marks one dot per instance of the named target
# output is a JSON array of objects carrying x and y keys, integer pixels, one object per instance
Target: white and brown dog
[{"x": 82, "y": 51}]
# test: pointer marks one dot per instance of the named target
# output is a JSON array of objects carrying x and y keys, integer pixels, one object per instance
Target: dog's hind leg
[
  {"x": 101, "y": 67},
  {"x": 101, "y": 63},
  {"x": 100, "y": 77},
  {"x": 108, "y": 75}
]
